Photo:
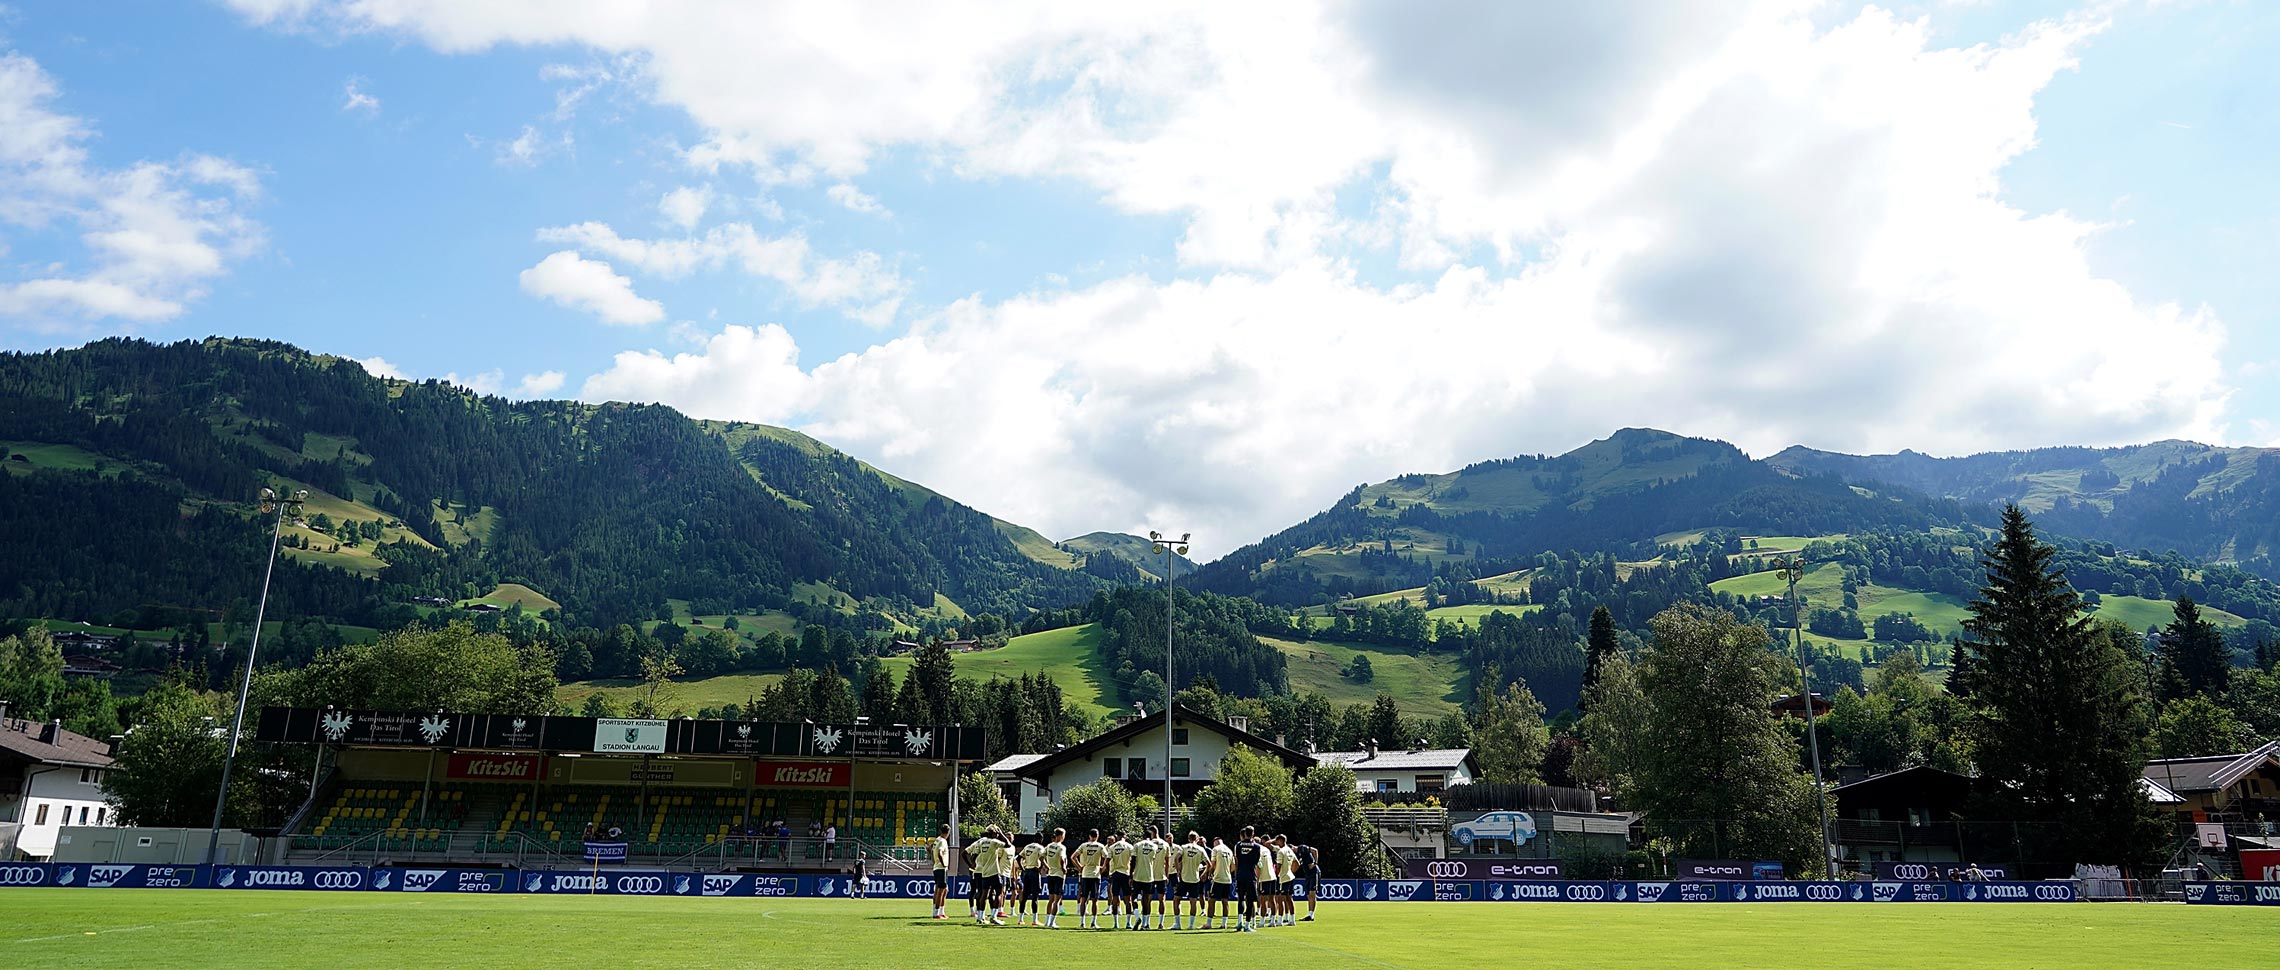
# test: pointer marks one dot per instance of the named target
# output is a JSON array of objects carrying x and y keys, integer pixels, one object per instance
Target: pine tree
[
  {"x": 1602, "y": 644},
  {"x": 2194, "y": 659},
  {"x": 2059, "y": 716}
]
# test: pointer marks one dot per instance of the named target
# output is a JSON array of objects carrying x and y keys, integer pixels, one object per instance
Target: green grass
[
  {"x": 1426, "y": 684},
  {"x": 1470, "y": 614},
  {"x": 38, "y": 454},
  {"x": 517, "y": 594},
  {"x": 269, "y": 930},
  {"x": 1070, "y": 655},
  {"x": 690, "y": 694},
  {"x": 2140, "y": 613}
]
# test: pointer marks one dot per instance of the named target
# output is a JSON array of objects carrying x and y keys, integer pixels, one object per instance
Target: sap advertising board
[{"x": 662, "y": 883}]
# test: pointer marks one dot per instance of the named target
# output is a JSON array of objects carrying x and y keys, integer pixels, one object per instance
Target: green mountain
[
  {"x": 1627, "y": 494},
  {"x": 131, "y": 469},
  {"x": 1137, "y": 550},
  {"x": 2216, "y": 504}
]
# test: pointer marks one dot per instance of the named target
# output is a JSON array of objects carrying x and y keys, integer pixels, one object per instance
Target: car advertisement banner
[
  {"x": 1367, "y": 890},
  {"x": 1517, "y": 828},
  {"x": 1935, "y": 871}
]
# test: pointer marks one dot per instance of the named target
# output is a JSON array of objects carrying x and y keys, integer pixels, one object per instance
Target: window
[
  {"x": 1428, "y": 782},
  {"x": 1112, "y": 767},
  {"x": 1872, "y": 814},
  {"x": 82, "y": 814},
  {"x": 1179, "y": 767},
  {"x": 99, "y": 813},
  {"x": 1012, "y": 792},
  {"x": 1135, "y": 769},
  {"x": 42, "y": 819},
  {"x": 1388, "y": 784},
  {"x": 86, "y": 776},
  {"x": 1179, "y": 736}
]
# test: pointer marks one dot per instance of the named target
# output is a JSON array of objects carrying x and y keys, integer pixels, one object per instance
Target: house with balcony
[{"x": 1134, "y": 755}]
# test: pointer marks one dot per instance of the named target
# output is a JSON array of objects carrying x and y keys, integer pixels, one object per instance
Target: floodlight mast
[
  {"x": 1792, "y": 570},
  {"x": 1179, "y": 547},
  {"x": 283, "y": 507}
]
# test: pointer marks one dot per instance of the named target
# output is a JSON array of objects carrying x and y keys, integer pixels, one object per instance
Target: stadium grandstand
[{"x": 540, "y": 792}]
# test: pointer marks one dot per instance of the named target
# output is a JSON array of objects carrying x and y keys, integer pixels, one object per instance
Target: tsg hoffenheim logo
[{"x": 827, "y": 739}]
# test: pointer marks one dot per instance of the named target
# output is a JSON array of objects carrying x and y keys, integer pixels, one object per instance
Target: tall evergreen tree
[
  {"x": 1601, "y": 645},
  {"x": 2194, "y": 659},
  {"x": 2059, "y": 719}
]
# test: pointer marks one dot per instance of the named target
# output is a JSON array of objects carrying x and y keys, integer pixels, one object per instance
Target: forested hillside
[
  {"x": 131, "y": 468},
  {"x": 2210, "y": 503}
]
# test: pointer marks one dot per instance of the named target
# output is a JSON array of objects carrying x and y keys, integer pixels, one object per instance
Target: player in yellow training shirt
[{"x": 1092, "y": 857}]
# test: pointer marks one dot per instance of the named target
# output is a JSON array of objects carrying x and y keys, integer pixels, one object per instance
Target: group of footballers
[{"x": 1154, "y": 883}]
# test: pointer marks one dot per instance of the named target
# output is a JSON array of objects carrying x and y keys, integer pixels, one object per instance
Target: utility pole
[
  {"x": 1793, "y": 570},
  {"x": 1178, "y": 548}
]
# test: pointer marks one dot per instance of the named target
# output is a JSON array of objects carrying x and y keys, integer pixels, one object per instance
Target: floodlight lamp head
[
  {"x": 1158, "y": 549},
  {"x": 1154, "y": 535},
  {"x": 268, "y": 493}
]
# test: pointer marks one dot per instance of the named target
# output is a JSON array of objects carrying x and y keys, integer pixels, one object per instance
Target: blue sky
[{"x": 1200, "y": 265}]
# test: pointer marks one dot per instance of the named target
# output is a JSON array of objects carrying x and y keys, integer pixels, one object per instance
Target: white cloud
[
  {"x": 380, "y": 367},
  {"x": 489, "y": 382},
  {"x": 685, "y": 206},
  {"x": 529, "y": 147},
  {"x": 152, "y": 235},
  {"x": 862, "y": 286},
  {"x": 856, "y": 200},
  {"x": 590, "y": 286},
  {"x": 356, "y": 100},
  {"x": 540, "y": 384},
  {"x": 1761, "y": 221}
]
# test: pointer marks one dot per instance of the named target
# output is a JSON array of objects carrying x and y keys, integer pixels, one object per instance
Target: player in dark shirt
[{"x": 1246, "y": 878}]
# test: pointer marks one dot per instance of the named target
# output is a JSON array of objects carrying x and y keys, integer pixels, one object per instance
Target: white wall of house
[
  {"x": 54, "y": 796},
  {"x": 1196, "y": 753},
  {"x": 1406, "y": 779}
]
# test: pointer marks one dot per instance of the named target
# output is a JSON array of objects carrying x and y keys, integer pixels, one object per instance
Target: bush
[{"x": 1103, "y": 805}]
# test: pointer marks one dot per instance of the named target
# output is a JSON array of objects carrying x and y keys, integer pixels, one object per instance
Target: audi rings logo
[
  {"x": 339, "y": 879},
  {"x": 2065, "y": 894},
  {"x": 640, "y": 884},
  {"x": 22, "y": 876},
  {"x": 1913, "y": 871},
  {"x": 1825, "y": 894},
  {"x": 1447, "y": 870},
  {"x": 1335, "y": 891},
  {"x": 1586, "y": 893}
]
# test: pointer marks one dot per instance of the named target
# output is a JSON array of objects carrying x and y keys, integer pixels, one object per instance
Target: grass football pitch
[{"x": 85, "y": 929}]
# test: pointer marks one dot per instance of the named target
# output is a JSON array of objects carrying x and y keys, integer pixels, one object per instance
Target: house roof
[
  {"x": 1013, "y": 762},
  {"x": 1444, "y": 759},
  {"x": 1044, "y": 766},
  {"x": 22, "y": 738},
  {"x": 2158, "y": 795},
  {"x": 2212, "y": 773}
]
